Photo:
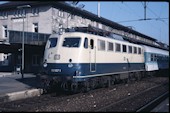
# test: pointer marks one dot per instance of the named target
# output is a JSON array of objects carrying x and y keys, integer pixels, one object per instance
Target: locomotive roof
[{"x": 95, "y": 31}]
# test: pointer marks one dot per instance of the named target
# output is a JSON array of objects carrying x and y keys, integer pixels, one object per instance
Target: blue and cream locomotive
[{"x": 79, "y": 60}]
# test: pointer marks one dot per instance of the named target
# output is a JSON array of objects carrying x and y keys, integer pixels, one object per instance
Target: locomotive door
[{"x": 92, "y": 55}]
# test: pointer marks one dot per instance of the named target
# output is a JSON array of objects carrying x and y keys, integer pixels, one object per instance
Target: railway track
[
  {"x": 124, "y": 104},
  {"x": 148, "y": 107},
  {"x": 90, "y": 101}
]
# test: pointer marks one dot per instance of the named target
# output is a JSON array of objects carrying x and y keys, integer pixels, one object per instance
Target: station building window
[
  {"x": 4, "y": 15},
  {"x": 35, "y": 11},
  {"x": 35, "y": 27},
  {"x": 4, "y": 31},
  {"x": 83, "y": 20},
  {"x": 72, "y": 16},
  {"x": 60, "y": 27},
  {"x": 60, "y": 13}
]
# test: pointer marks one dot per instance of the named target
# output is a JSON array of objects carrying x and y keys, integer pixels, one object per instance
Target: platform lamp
[{"x": 22, "y": 8}]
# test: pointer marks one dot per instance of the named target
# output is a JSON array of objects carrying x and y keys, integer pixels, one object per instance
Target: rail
[
  {"x": 131, "y": 97},
  {"x": 148, "y": 107}
]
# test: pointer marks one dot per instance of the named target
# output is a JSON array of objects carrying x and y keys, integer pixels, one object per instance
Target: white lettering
[{"x": 55, "y": 70}]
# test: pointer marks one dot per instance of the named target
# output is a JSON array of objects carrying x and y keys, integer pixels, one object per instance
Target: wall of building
[{"x": 15, "y": 21}]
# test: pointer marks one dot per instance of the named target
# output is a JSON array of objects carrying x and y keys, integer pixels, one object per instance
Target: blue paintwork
[
  {"x": 84, "y": 68},
  {"x": 162, "y": 61}
]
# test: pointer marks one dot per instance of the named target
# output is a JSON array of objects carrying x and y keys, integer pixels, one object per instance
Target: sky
[
  {"x": 121, "y": 12},
  {"x": 124, "y": 12}
]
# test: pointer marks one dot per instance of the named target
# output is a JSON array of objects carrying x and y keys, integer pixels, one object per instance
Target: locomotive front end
[{"x": 62, "y": 58}]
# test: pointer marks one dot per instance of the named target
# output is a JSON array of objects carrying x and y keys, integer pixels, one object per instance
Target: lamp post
[{"x": 22, "y": 8}]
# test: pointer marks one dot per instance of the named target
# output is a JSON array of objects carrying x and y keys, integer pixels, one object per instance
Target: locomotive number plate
[{"x": 55, "y": 70}]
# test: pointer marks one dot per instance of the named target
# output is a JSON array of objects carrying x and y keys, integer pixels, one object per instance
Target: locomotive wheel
[
  {"x": 64, "y": 85},
  {"x": 93, "y": 84},
  {"x": 138, "y": 76},
  {"x": 108, "y": 84},
  {"x": 45, "y": 85},
  {"x": 85, "y": 87},
  {"x": 113, "y": 80},
  {"x": 74, "y": 87}
]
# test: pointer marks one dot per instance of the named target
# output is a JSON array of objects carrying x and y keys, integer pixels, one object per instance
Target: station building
[{"x": 41, "y": 19}]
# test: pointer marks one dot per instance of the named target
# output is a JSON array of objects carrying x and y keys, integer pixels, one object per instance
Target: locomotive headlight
[
  {"x": 45, "y": 63},
  {"x": 56, "y": 57}
]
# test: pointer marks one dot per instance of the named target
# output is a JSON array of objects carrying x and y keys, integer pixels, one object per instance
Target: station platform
[{"x": 14, "y": 87}]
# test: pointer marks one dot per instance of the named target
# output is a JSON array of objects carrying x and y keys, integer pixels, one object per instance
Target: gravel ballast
[{"x": 91, "y": 101}]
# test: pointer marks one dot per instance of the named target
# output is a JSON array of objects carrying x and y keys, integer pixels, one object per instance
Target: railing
[{"x": 30, "y": 38}]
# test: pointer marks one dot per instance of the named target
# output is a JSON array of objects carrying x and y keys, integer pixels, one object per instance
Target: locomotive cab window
[
  {"x": 71, "y": 42},
  {"x": 86, "y": 43},
  {"x": 52, "y": 42}
]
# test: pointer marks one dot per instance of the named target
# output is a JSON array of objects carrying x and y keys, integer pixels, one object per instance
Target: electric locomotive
[{"x": 86, "y": 58}]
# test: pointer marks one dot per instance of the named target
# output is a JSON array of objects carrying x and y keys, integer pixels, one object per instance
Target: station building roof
[{"x": 76, "y": 11}]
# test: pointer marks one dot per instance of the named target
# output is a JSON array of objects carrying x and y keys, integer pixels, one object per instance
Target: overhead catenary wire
[{"x": 143, "y": 19}]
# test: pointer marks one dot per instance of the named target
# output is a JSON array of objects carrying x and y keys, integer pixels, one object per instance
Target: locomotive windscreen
[
  {"x": 71, "y": 42},
  {"x": 52, "y": 42}
]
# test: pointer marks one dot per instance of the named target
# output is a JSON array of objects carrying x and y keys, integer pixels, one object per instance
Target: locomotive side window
[
  {"x": 118, "y": 47},
  {"x": 155, "y": 57},
  {"x": 152, "y": 57},
  {"x": 91, "y": 43},
  {"x": 139, "y": 50},
  {"x": 135, "y": 50},
  {"x": 86, "y": 43},
  {"x": 124, "y": 48},
  {"x": 71, "y": 42},
  {"x": 130, "y": 49},
  {"x": 101, "y": 45},
  {"x": 52, "y": 42},
  {"x": 110, "y": 46}
]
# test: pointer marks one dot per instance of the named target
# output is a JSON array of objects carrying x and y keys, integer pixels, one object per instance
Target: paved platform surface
[
  {"x": 162, "y": 107},
  {"x": 13, "y": 87}
]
